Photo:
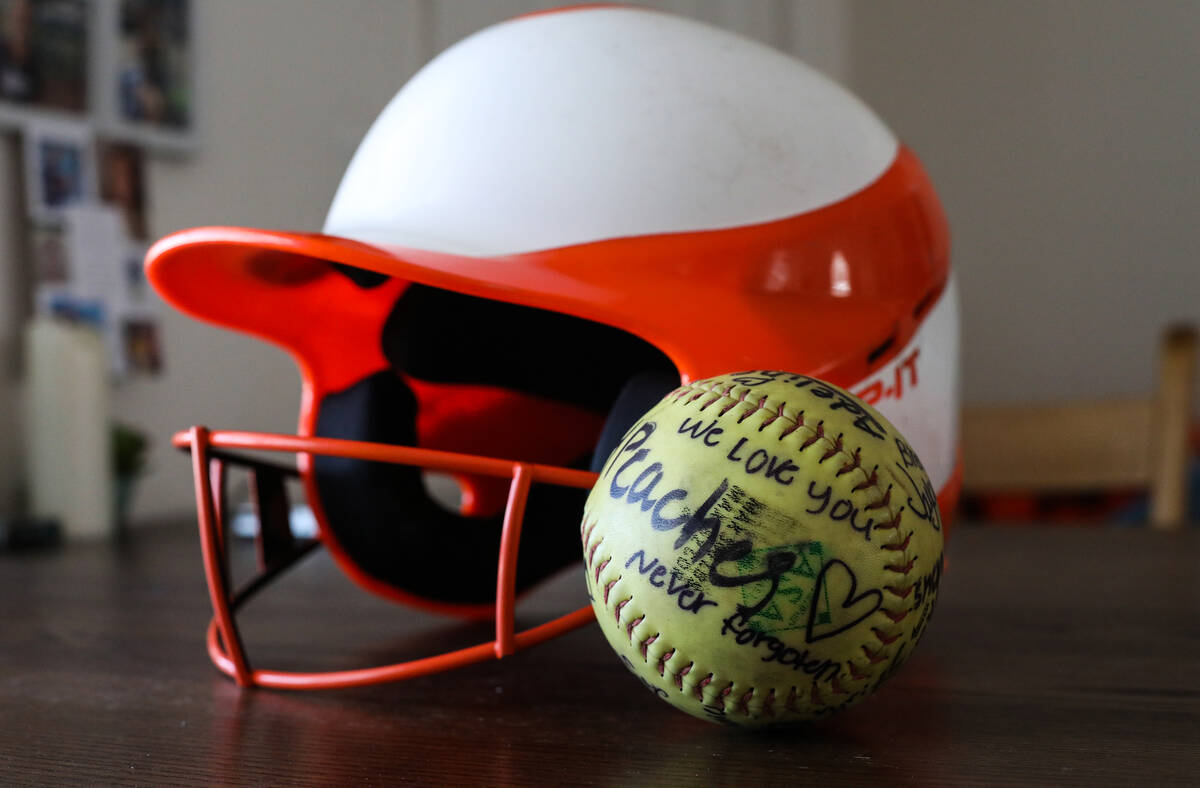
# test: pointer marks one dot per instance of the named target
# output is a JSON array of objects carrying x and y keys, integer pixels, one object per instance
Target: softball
[{"x": 762, "y": 548}]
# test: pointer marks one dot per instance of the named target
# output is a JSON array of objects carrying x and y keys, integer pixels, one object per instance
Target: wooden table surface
[{"x": 1055, "y": 657}]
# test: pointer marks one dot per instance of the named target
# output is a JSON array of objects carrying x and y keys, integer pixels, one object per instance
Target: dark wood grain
[{"x": 1065, "y": 657}]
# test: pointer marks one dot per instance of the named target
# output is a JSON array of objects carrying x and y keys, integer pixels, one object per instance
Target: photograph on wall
[
  {"x": 98, "y": 282},
  {"x": 64, "y": 305},
  {"x": 137, "y": 290},
  {"x": 122, "y": 184},
  {"x": 153, "y": 68},
  {"x": 59, "y": 168},
  {"x": 141, "y": 345},
  {"x": 84, "y": 241},
  {"x": 94, "y": 235},
  {"x": 44, "y": 53},
  {"x": 51, "y": 265}
]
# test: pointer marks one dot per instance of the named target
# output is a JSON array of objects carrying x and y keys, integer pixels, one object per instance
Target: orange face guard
[{"x": 278, "y": 549}]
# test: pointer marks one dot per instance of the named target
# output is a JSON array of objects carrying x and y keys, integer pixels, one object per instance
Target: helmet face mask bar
[
  {"x": 278, "y": 549},
  {"x": 503, "y": 317}
]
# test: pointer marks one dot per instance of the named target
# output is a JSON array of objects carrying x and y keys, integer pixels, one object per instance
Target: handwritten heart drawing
[{"x": 848, "y": 612}]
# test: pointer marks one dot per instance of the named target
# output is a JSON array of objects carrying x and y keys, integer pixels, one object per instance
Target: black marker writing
[
  {"x": 707, "y": 433},
  {"x": 688, "y": 599},
  {"x": 846, "y": 613},
  {"x": 778, "y": 651},
  {"x": 841, "y": 509},
  {"x": 636, "y": 485},
  {"x": 777, "y": 469},
  {"x": 926, "y": 504}
]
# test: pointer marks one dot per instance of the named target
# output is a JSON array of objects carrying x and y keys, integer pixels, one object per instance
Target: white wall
[{"x": 1064, "y": 139}]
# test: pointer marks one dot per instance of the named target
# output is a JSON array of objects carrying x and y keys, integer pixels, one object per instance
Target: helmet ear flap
[{"x": 640, "y": 393}]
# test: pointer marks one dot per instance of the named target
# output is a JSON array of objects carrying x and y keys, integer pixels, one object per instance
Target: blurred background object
[
  {"x": 1063, "y": 139},
  {"x": 1088, "y": 460},
  {"x": 67, "y": 439}
]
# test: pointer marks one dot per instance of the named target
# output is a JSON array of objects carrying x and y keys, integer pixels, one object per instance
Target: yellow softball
[{"x": 762, "y": 548}]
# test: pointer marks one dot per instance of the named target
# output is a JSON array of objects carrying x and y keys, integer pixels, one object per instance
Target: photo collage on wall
[
  {"x": 44, "y": 53},
  {"x": 94, "y": 87}
]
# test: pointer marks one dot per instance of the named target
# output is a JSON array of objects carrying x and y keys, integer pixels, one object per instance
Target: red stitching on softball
[
  {"x": 896, "y": 616},
  {"x": 632, "y": 625},
  {"x": 700, "y": 390},
  {"x": 617, "y": 608},
  {"x": 792, "y": 425},
  {"x": 818, "y": 433},
  {"x": 897, "y": 592},
  {"x": 645, "y": 647},
  {"x": 901, "y": 568},
  {"x": 607, "y": 589},
  {"x": 663, "y": 660},
  {"x": 882, "y": 502},
  {"x": 704, "y": 682},
  {"x": 888, "y": 525},
  {"x": 855, "y": 462},
  {"x": 743, "y": 704},
  {"x": 901, "y": 546},
  {"x": 601, "y": 567},
  {"x": 886, "y": 640},
  {"x": 773, "y": 417},
  {"x": 871, "y": 481},
  {"x": 874, "y": 657},
  {"x": 679, "y": 676},
  {"x": 835, "y": 449},
  {"x": 752, "y": 410}
]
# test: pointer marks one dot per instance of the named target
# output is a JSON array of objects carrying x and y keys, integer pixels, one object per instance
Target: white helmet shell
[{"x": 580, "y": 125}]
